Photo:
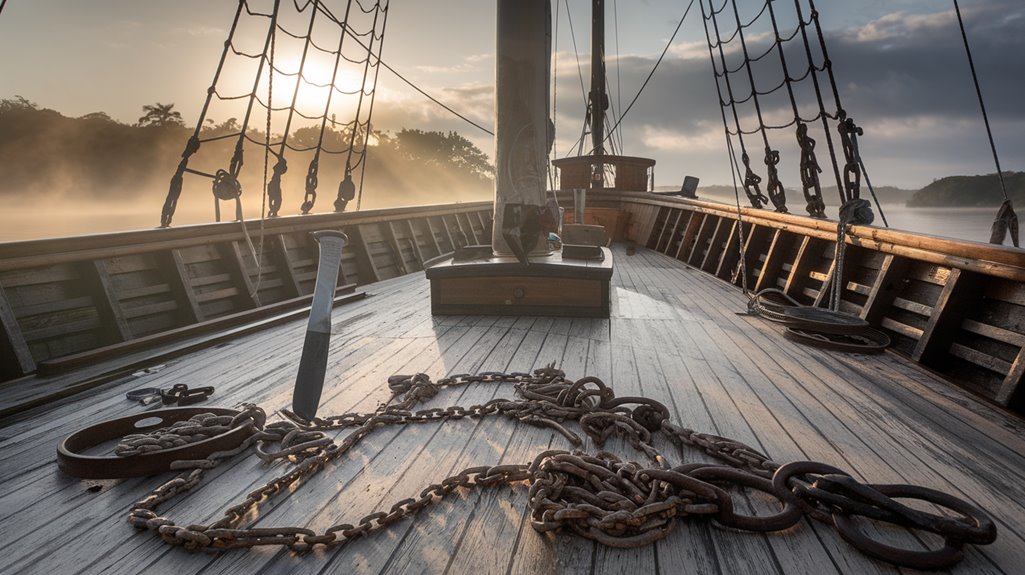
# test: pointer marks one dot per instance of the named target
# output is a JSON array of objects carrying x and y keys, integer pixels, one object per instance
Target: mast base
[{"x": 554, "y": 285}]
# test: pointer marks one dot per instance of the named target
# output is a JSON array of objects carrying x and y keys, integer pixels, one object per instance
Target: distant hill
[
  {"x": 795, "y": 198},
  {"x": 965, "y": 191}
]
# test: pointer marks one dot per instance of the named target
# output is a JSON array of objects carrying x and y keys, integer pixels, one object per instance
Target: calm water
[
  {"x": 62, "y": 219},
  {"x": 962, "y": 223}
]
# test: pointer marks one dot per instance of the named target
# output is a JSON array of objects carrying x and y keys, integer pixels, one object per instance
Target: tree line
[{"x": 97, "y": 157}]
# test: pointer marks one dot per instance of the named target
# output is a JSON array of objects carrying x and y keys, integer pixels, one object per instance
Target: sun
[{"x": 311, "y": 98}]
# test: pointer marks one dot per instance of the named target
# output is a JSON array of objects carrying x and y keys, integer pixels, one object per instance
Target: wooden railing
[
  {"x": 66, "y": 296},
  {"x": 957, "y": 307},
  {"x": 954, "y": 306}
]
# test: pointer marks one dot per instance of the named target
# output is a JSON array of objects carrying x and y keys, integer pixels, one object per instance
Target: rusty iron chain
[{"x": 598, "y": 496}]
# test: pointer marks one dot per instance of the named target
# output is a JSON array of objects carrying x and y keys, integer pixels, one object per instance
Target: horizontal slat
[
  {"x": 207, "y": 280},
  {"x": 980, "y": 359},
  {"x": 903, "y": 329},
  {"x": 144, "y": 291},
  {"x": 859, "y": 288},
  {"x": 217, "y": 294},
  {"x": 61, "y": 330},
  {"x": 993, "y": 332},
  {"x": 144, "y": 310},
  {"x": 36, "y": 276},
  {"x": 911, "y": 306},
  {"x": 54, "y": 306}
]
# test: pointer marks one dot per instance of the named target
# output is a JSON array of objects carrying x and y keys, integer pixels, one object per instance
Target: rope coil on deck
[{"x": 597, "y": 496}]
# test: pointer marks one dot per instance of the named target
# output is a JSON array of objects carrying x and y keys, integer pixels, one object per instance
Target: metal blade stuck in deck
[{"x": 309, "y": 382}]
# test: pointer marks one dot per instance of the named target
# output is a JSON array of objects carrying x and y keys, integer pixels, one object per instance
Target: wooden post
[
  {"x": 665, "y": 240},
  {"x": 773, "y": 261},
  {"x": 802, "y": 267},
  {"x": 393, "y": 241},
  {"x": 729, "y": 255},
  {"x": 947, "y": 314},
  {"x": 702, "y": 237},
  {"x": 116, "y": 326},
  {"x": 1011, "y": 393},
  {"x": 689, "y": 234},
  {"x": 416, "y": 244},
  {"x": 753, "y": 240},
  {"x": 886, "y": 287},
  {"x": 287, "y": 272},
  {"x": 236, "y": 268},
  {"x": 434, "y": 237},
  {"x": 182, "y": 285},
  {"x": 14, "y": 351},
  {"x": 364, "y": 262},
  {"x": 715, "y": 244}
]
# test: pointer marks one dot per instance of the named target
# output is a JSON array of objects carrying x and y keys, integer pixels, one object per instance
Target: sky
[{"x": 900, "y": 67}]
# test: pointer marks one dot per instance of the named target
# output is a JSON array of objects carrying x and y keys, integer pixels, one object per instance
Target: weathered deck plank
[{"x": 674, "y": 336}]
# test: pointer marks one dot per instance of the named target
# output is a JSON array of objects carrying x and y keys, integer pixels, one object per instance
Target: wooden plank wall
[
  {"x": 73, "y": 296},
  {"x": 965, "y": 323}
]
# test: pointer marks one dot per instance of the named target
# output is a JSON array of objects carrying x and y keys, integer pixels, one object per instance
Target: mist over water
[{"x": 36, "y": 218}]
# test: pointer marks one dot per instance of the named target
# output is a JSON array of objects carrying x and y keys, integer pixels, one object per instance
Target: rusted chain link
[{"x": 598, "y": 496}]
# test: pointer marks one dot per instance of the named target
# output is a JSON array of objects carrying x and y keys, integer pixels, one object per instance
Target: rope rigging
[
  {"x": 1006, "y": 220},
  {"x": 225, "y": 182},
  {"x": 736, "y": 38}
]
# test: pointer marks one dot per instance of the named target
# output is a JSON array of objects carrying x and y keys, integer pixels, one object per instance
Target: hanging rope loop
[
  {"x": 810, "y": 171},
  {"x": 225, "y": 186},
  {"x": 311, "y": 185},
  {"x": 274, "y": 187},
  {"x": 774, "y": 187},
  {"x": 849, "y": 132},
  {"x": 752, "y": 183},
  {"x": 346, "y": 192}
]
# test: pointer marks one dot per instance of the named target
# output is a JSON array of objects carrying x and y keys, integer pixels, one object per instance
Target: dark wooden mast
[
  {"x": 588, "y": 172},
  {"x": 598, "y": 97}
]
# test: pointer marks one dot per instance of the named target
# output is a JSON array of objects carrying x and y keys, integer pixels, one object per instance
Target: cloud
[
  {"x": 200, "y": 30},
  {"x": 903, "y": 77}
]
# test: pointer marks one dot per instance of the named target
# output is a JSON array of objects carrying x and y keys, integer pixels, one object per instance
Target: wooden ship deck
[{"x": 674, "y": 335}]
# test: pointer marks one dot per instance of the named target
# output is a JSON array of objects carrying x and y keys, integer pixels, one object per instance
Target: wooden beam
[
  {"x": 753, "y": 240},
  {"x": 702, "y": 237},
  {"x": 1012, "y": 393},
  {"x": 448, "y": 231},
  {"x": 287, "y": 272},
  {"x": 715, "y": 244},
  {"x": 886, "y": 288},
  {"x": 434, "y": 238},
  {"x": 240, "y": 274},
  {"x": 396, "y": 249},
  {"x": 807, "y": 254},
  {"x": 182, "y": 285},
  {"x": 469, "y": 224},
  {"x": 773, "y": 261},
  {"x": 951, "y": 306},
  {"x": 689, "y": 233},
  {"x": 729, "y": 256},
  {"x": 417, "y": 252},
  {"x": 665, "y": 226},
  {"x": 13, "y": 347},
  {"x": 365, "y": 266},
  {"x": 107, "y": 304}
]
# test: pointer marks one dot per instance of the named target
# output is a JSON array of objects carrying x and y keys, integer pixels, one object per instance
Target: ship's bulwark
[{"x": 674, "y": 336}]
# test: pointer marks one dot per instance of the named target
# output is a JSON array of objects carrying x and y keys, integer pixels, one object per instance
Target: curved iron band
[
  {"x": 785, "y": 519},
  {"x": 874, "y": 501},
  {"x": 823, "y": 320},
  {"x": 71, "y": 461},
  {"x": 879, "y": 340},
  {"x": 787, "y": 477}
]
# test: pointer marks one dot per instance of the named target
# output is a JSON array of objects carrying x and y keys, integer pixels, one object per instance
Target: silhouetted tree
[{"x": 160, "y": 115}]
